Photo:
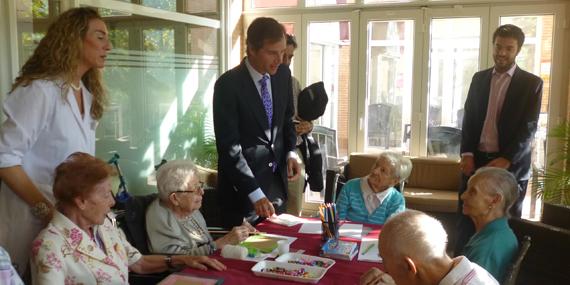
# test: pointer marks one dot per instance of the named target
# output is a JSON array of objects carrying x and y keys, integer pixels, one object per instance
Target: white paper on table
[
  {"x": 311, "y": 227},
  {"x": 272, "y": 254},
  {"x": 351, "y": 230},
  {"x": 372, "y": 253},
  {"x": 286, "y": 220}
]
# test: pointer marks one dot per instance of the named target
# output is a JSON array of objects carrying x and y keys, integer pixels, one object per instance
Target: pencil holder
[{"x": 329, "y": 230}]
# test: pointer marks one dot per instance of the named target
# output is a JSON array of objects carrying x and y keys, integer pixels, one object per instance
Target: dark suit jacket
[
  {"x": 246, "y": 146},
  {"x": 517, "y": 121}
]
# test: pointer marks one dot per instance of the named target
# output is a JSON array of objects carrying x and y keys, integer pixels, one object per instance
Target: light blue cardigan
[{"x": 350, "y": 204}]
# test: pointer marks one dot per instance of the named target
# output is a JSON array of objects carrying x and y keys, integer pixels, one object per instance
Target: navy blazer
[
  {"x": 246, "y": 146},
  {"x": 517, "y": 122}
]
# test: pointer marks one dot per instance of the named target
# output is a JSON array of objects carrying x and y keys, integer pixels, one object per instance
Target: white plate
[
  {"x": 315, "y": 273},
  {"x": 297, "y": 256}
]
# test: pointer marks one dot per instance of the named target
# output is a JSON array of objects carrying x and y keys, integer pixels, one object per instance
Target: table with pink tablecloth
[{"x": 343, "y": 272}]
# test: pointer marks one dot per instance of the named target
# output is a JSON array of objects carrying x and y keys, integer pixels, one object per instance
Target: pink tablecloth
[{"x": 239, "y": 271}]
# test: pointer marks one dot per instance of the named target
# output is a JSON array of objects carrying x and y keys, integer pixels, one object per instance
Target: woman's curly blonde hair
[{"x": 58, "y": 56}]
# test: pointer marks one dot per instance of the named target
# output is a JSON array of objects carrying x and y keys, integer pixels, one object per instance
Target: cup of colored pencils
[{"x": 329, "y": 221}]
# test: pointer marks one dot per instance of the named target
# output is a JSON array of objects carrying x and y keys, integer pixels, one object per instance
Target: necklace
[{"x": 76, "y": 88}]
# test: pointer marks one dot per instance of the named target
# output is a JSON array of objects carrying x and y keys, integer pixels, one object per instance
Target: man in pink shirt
[{"x": 501, "y": 117}]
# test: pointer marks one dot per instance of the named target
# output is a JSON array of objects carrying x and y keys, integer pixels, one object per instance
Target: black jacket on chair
[{"x": 313, "y": 159}]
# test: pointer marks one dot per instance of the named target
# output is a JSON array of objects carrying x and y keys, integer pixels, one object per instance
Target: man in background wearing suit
[
  {"x": 501, "y": 117},
  {"x": 255, "y": 135}
]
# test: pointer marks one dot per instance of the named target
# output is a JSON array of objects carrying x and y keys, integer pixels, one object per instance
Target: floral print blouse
[{"x": 65, "y": 254}]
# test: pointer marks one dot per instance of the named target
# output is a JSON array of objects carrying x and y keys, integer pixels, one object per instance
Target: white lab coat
[{"x": 43, "y": 127}]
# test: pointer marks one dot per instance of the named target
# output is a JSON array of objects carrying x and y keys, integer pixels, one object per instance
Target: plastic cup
[{"x": 282, "y": 247}]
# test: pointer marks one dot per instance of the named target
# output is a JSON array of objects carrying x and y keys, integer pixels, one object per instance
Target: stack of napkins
[{"x": 286, "y": 220}]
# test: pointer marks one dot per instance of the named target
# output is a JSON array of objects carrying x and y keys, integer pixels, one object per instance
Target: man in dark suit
[
  {"x": 255, "y": 135},
  {"x": 501, "y": 117}
]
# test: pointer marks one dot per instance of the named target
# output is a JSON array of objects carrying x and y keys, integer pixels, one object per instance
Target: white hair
[
  {"x": 174, "y": 176},
  {"x": 414, "y": 234},
  {"x": 498, "y": 181},
  {"x": 401, "y": 166}
]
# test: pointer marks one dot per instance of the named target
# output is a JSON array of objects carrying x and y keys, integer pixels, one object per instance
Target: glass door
[
  {"x": 330, "y": 49},
  {"x": 392, "y": 43},
  {"x": 456, "y": 39}
]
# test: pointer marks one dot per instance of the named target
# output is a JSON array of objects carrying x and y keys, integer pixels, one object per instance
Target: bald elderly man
[{"x": 412, "y": 246}]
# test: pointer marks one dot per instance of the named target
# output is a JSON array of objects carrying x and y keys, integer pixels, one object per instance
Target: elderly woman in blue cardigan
[{"x": 373, "y": 199}]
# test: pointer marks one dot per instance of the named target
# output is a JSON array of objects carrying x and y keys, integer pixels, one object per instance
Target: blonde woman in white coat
[{"x": 51, "y": 112}]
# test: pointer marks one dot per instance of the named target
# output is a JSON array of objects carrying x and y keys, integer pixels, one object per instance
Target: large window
[
  {"x": 329, "y": 61},
  {"x": 453, "y": 59},
  {"x": 389, "y": 65},
  {"x": 164, "y": 110}
]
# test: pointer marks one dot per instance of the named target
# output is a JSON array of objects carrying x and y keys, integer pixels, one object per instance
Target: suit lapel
[
  {"x": 253, "y": 99},
  {"x": 486, "y": 89}
]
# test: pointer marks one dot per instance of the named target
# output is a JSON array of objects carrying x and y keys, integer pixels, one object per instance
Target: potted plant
[{"x": 554, "y": 180}]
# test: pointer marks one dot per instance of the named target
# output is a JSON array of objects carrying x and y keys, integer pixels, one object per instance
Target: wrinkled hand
[
  {"x": 249, "y": 227},
  {"x": 203, "y": 262},
  {"x": 500, "y": 162},
  {"x": 237, "y": 235},
  {"x": 293, "y": 169},
  {"x": 375, "y": 276},
  {"x": 303, "y": 127},
  {"x": 467, "y": 165},
  {"x": 264, "y": 208}
]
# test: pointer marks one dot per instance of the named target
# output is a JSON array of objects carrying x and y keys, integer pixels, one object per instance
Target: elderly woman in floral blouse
[
  {"x": 81, "y": 245},
  {"x": 174, "y": 223}
]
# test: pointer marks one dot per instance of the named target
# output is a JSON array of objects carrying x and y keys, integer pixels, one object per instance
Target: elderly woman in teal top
[
  {"x": 373, "y": 199},
  {"x": 490, "y": 193}
]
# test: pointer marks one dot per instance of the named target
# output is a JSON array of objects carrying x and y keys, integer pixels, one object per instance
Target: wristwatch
[
  {"x": 168, "y": 261},
  {"x": 40, "y": 210}
]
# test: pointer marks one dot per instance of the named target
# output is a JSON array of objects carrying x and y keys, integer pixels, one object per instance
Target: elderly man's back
[
  {"x": 465, "y": 272},
  {"x": 413, "y": 247}
]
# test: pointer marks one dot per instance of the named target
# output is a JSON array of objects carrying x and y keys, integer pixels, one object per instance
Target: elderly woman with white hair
[
  {"x": 490, "y": 194},
  {"x": 373, "y": 199},
  {"x": 173, "y": 221},
  {"x": 413, "y": 250}
]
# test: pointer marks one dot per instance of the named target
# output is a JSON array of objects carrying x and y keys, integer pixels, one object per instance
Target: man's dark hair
[
  {"x": 510, "y": 31},
  {"x": 264, "y": 29},
  {"x": 291, "y": 41}
]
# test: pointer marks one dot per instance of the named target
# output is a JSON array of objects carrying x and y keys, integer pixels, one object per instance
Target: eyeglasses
[{"x": 195, "y": 188}]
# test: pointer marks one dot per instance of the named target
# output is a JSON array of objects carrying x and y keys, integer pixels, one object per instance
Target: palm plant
[{"x": 554, "y": 179}]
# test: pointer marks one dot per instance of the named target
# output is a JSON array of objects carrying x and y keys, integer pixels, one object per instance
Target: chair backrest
[
  {"x": 514, "y": 268},
  {"x": 444, "y": 140},
  {"x": 331, "y": 186},
  {"x": 133, "y": 220},
  {"x": 211, "y": 209},
  {"x": 326, "y": 138}
]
